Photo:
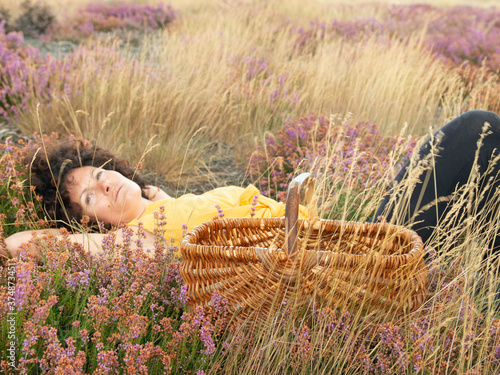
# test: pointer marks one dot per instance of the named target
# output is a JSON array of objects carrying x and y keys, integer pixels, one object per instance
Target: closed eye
[{"x": 88, "y": 199}]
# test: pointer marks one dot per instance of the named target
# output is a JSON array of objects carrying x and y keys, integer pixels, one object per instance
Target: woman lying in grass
[{"x": 76, "y": 179}]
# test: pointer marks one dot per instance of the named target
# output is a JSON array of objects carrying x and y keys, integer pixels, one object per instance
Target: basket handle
[{"x": 292, "y": 208}]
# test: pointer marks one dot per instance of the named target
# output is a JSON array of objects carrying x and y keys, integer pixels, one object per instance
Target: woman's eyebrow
[{"x": 85, "y": 190}]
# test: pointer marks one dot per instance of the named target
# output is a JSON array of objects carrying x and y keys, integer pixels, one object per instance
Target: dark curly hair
[{"x": 48, "y": 174}]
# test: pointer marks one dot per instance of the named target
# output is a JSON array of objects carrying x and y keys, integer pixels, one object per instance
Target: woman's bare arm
[
  {"x": 91, "y": 242},
  {"x": 154, "y": 193},
  {"x": 15, "y": 241}
]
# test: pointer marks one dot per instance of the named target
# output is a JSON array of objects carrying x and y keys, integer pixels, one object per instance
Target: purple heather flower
[
  {"x": 253, "y": 205},
  {"x": 220, "y": 211}
]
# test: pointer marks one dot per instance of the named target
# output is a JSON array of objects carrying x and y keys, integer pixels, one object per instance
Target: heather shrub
[
  {"x": 252, "y": 82},
  {"x": 96, "y": 18},
  {"x": 133, "y": 16},
  {"x": 105, "y": 315},
  {"x": 467, "y": 34},
  {"x": 20, "y": 208},
  {"x": 120, "y": 310},
  {"x": 351, "y": 159},
  {"x": 461, "y": 34},
  {"x": 24, "y": 74},
  {"x": 36, "y": 18},
  {"x": 334, "y": 341}
]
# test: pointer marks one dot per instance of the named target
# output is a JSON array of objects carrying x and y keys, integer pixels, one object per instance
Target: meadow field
[{"x": 199, "y": 94}]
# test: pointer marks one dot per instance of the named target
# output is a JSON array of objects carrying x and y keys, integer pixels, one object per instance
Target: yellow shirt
[{"x": 193, "y": 210}]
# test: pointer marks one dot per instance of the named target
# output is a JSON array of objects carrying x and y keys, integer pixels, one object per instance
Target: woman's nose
[{"x": 105, "y": 186}]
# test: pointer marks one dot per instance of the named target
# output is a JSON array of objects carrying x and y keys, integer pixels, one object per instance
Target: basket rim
[{"x": 188, "y": 244}]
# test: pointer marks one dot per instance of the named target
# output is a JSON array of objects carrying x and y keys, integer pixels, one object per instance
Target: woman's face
[{"x": 105, "y": 196}]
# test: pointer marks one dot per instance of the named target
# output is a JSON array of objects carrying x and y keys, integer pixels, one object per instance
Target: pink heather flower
[{"x": 206, "y": 337}]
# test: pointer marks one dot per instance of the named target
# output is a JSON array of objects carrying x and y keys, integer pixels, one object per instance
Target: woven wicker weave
[{"x": 343, "y": 264}]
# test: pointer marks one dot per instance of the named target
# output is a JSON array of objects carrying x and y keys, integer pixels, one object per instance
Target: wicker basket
[{"x": 258, "y": 264}]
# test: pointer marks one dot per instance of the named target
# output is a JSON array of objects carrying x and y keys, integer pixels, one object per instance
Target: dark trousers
[{"x": 446, "y": 162}]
